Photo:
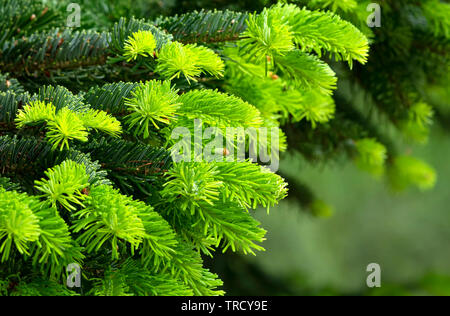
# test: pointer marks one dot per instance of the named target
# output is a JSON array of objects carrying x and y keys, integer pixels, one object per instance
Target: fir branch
[
  {"x": 307, "y": 71},
  {"x": 318, "y": 31},
  {"x": 110, "y": 97},
  {"x": 153, "y": 103},
  {"x": 219, "y": 109},
  {"x": 65, "y": 184},
  {"x": 27, "y": 159},
  {"x": 20, "y": 18},
  {"x": 186, "y": 265},
  {"x": 108, "y": 218},
  {"x": 204, "y": 26}
]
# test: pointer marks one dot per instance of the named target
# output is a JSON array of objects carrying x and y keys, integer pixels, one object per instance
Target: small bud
[
  {"x": 275, "y": 77},
  {"x": 33, "y": 17},
  {"x": 8, "y": 84}
]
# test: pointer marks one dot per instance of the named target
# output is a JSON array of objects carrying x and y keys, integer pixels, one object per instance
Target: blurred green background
[{"x": 407, "y": 233}]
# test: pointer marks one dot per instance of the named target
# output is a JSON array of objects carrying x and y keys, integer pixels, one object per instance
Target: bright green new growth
[
  {"x": 65, "y": 185},
  {"x": 66, "y": 125},
  {"x": 275, "y": 31},
  {"x": 321, "y": 209},
  {"x": 106, "y": 218},
  {"x": 207, "y": 60},
  {"x": 141, "y": 43},
  {"x": 371, "y": 155},
  {"x": 409, "y": 171},
  {"x": 153, "y": 102},
  {"x": 134, "y": 277},
  {"x": 137, "y": 222},
  {"x": 176, "y": 59},
  {"x": 345, "y": 5},
  {"x": 307, "y": 72},
  {"x": 421, "y": 114},
  {"x": 266, "y": 36},
  {"x": 100, "y": 121},
  {"x": 18, "y": 224},
  {"x": 35, "y": 113},
  {"x": 416, "y": 126},
  {"x": 317, "y": 31},
  {"x": 37, "y": 232},
  {"x": 251, "y": 185},
  {"x": 173, "y": 59},
  {"x": 285, "y": 80},
  {"x": 215, "y": 197},
  {"x": 195, "y": 184},
  {"x": 109, "y": 218},
  {"x": 316, "y": 108},
  {"x": 219, "y": 109}
]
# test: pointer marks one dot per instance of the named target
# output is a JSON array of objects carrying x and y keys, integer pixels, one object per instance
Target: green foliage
[
  {"x": 371, "y": 155},
  {"x": 36, "y": 112},
  {"x": 36, "y": 231},
  {"x": 307, "y": 71},
  {"x": 27, "y": 159},
  {"x": 55, "y": 248},
  {"x": 316, "y": 108},
  {"x": 219, "y": 109},
  {"x": 151, "y": 103},
  {"x": 108, "y": 218},
  {"x": 51, "y": 50},
  {"x": 215, "y": 197},
  {"x": 100, "y": 121},
  {"x": 124, "y": 29},
  {"x": 133, "y": 279},
  {"x": 251, "y": 185},
  {"x": 66, "y": 125},
  {"x": 407, "y": 171},
  {"x": 438, "y": 14},
  {"x": 266, "y": 36},
  {"x": 7, "y": 185},
  {"x": 140, "y": 43},
  {"x": 192, "y": 185},
  {"x": 110, "y": 97},
  {"x": 19, "y": 225},
  {"x": 345, "y": 5},
  {"x": 20, "y": 18},
  {"x": 394, "y": 90},
  {"x": 10, "y": 101},
  {"x": 416, "y": 126},
  {"x": 115, "y": 202},
  {"x": 318, "y": 31},
  {"x": 65, "y": 184},
  {"x": 41, "y": 287},
  {"x": 176, "y": 59}
]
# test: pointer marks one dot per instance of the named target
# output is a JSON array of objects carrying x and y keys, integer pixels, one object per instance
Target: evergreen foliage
[{"x": 87, "y": 174}]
